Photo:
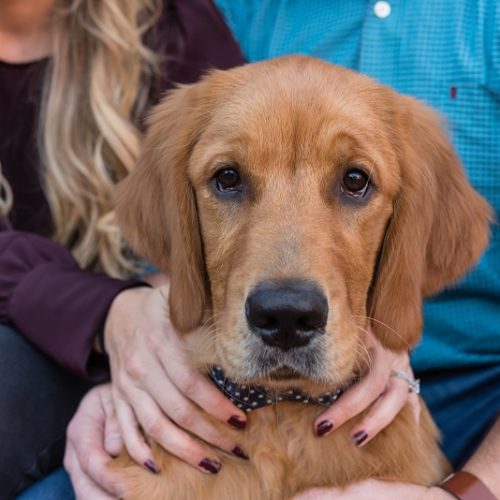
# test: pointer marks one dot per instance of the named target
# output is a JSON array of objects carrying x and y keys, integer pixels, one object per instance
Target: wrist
[{"x": 121, "y": 305}]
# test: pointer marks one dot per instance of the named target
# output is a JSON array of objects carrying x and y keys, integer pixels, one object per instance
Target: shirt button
[{"x": 382, "y": 9}]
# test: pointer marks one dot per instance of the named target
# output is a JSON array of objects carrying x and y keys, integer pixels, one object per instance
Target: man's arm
[{"x": 485, "y": 463}]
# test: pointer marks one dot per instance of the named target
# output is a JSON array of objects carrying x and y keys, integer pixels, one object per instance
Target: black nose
[{"x": 286, "y": 314}]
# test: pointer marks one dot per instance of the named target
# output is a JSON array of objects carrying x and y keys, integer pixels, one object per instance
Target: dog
[{"x": 291, "y": 202}]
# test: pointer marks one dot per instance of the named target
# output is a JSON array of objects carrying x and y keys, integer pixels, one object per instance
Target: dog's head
[{"x": 293, "y": 202}]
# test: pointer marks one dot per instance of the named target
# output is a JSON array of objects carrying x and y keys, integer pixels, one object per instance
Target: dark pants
[
  {"x": 465, "y": 404},
  {"x": 37, "y": 401}
]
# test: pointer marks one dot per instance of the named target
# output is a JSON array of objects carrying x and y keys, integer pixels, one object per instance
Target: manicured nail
[
  {"x": 239, "y": 453},
  {"x": 151, "y": 466},
  {"x": 210, "y": 465},
  {"x": 323, "y": 428},
  {"x": 236, "y": 422},
  {"x": 359, "y": 438}
]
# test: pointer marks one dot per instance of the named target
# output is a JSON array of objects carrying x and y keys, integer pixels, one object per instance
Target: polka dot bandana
[{"x": 252, "y": 397}]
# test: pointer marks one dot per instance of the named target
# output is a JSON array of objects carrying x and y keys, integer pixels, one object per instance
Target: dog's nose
[{"x": 286, "y": 314}]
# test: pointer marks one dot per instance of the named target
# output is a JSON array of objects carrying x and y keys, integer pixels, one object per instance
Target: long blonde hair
[
  {"x": 96, "y": 89},
  {"x": 5, "y": 195}
]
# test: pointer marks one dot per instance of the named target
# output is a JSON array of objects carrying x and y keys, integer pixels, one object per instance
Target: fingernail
[
  {"x": 210, "y": 465},
  {"x": 239, "y": 453},
  {"x": 237, "y": 422},
  {"x": 323, "y": 428},
  {"x": 151, "y": 466},
  {"x": 359, "y": 438}
]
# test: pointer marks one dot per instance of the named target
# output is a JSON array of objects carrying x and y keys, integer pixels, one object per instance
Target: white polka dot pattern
[{"x": 250, "y": 398}]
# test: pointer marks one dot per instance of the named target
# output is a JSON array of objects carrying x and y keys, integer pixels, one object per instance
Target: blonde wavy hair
[
  {"x": 96, "y": 90},
  {"x": 5, "y": 195}
]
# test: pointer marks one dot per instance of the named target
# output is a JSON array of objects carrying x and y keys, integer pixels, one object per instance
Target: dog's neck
[{"x": 252, "y": 397}]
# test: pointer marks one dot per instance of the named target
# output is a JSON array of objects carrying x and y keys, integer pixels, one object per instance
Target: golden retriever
[{"x": 291, "y": 202}]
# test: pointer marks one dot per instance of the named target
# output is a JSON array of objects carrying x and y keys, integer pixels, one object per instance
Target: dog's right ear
[{"x": 156, "y": 206}]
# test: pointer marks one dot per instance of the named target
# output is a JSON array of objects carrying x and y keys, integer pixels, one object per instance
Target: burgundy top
[{"x": 44, "y": 294}]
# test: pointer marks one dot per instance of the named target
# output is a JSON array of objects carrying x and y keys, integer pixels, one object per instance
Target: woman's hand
[
  {"x": 385, "y": 393},
  {"x": 92, "y": 440},
  {"x": 154, "y": 385},
  {"x": 376, "y": 490}
]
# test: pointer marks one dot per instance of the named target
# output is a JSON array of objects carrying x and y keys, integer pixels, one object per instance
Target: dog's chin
[
  {"x": 283, "y": 378},
  {"x": 285, "y": 373}
]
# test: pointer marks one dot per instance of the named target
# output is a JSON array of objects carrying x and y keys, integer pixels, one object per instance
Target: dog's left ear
[
  {"x": 438, "y": 229},
  {"x": 156, "y": 205}
]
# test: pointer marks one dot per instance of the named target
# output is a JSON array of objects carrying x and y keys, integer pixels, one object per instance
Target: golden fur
[{"x": 292, "y": 126}]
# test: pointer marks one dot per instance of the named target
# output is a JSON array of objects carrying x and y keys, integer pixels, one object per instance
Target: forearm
[
  {"x": 56, "y": 305},
  {"x": 485, "y": 463}
]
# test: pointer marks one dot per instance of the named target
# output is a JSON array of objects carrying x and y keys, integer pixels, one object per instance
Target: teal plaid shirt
[{"x": 446, "y": 53}]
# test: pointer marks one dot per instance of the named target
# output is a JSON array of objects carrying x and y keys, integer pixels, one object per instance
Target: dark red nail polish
[
  {"x": 323, "y": 428},
  {"x": 151, "y": 466},
  {"x": 359, "y": 438},
  {"x": 210, "y": 465},
  {"x": 236, "y": 422},
  {"x": 239, "y": 453}
]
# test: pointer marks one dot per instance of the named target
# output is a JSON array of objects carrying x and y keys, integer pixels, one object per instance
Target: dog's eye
[
  {"x": 355, "y": 183},
  {"x": 228, "y": 179}
]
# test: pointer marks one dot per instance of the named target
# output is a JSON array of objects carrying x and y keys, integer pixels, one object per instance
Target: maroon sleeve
[
  {"x": 43, "y": 292},
  {"x": 56, "y": 305}
]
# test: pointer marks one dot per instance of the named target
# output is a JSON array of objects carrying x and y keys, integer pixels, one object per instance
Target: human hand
[
  {"x": 385, "y": 393},
  {"x": 92, "y": 440},
  {"x": 376, "y": 490},
  {"x": 154, "y": 385},
  {"x": 156, "y": 280}
]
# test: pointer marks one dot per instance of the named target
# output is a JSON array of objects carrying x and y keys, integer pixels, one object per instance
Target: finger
[
  {"x": 353, "y": 402},
  {"x": 184, "y": 413},
  {"x": 84, "y": 487},
  {"x": 113, "y": 442},
  {"x": 382, "y": 413},
  {"x": 92, "y": 459},
  {"x": 174, "y": 439},
  {"x": 414, "y": 402},
  {"x": 133, "y": 438},
  {"x": 97, "y": 470},
  {"x": 205, "y": 394}
]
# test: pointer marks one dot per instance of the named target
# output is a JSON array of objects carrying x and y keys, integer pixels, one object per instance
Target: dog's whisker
[{"x": 385, "y": 325}]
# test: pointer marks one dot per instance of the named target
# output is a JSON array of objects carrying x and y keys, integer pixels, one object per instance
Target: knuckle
[
  {"x": 187, "y": 449},
  {"x": 153, "y": 339},
  {"x": 121, "y": 384},
  {"x": 182, "y": 416},
  {"x": 117, "y": 490},
  {"x": 188, "y": 384},
  {"x": 220, "y": 442},
  {"x": 380, "y": 383},
  {"x": 345, "y": 411},
  {"x": 85, "y": 460},
  {"x": 113, "y": 486},
  {"x": 373, "y": 424},
  {"x": 153, "y": 426},
  {"x": 133, "y": 366}
]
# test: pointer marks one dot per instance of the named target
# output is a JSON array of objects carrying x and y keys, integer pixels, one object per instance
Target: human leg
[
  {"x": 464, "y": 404},
  {"x": 37, "y": 400}
]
